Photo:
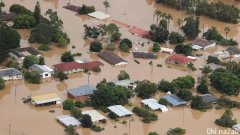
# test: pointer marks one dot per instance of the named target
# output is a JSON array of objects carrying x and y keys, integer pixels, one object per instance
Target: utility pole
[{"x": 9, "y": 127}]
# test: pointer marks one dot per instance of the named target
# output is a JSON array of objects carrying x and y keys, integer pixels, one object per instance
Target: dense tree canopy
[
  {"x": 32, "y": 77},
  {"x": 123, "y": 75},
  {"x": 37, "y": 13},
  {"x": 19, "y": 9},
  {"x": 213, "y": 59},
  {"x": 191, "y": 27},
  {"x": 186, "y": 82},
  {"x": 86, "y": 121},
  {"x": 166, "y": 86},
  {"x": 30, "y": 60},
  {"x": 183, "y": 49},
  {"x": 95, "y": 46},
  {"x": 198, "y": 104},
  {"x": 67, "y": 57},
  {"x": 185, "y": 95},
  {"x": 86, "y": 9},
  {"x": 159, "y": 33},
  {"x": 176, "y": 38},
  {"x": 226, "y": 120},
  {"x": 146, "y": 89},
  {"x": 24, "y": 22}
]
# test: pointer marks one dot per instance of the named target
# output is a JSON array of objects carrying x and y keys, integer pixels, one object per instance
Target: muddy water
[{"x": 29, "y": 120}]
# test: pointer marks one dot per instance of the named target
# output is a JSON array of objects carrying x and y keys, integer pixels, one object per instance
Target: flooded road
[{"x": 23, "y": 119}]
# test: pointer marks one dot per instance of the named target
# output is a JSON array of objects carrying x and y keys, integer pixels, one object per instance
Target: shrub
[
  {"x": 112, "y": 115},
  {"x": 95, "y": 46},
  {"x": 176, "y": 131},
  {"x": 12, "y": 64},
  {"x": 86, "y": 9},
  {"x": 127, "y": 42},
  {"x": 202, "y": 88},
  {"x": 163, "y": 101},
  {"x": 24, "y": 22},
  {"x": 70, "y": 130},
  {"x": 156, "y": 47},
  {"x": 226, "y": 120},
  {"x": 226, "y": 102},
  {"x": 76, "y": 113},
  {"x": 86, "y": 121},
  {"x": 123, "y": 75},
  {"x": 32, "y": 77},
  {"x": 68, "y": 104},
  {"x": 185, "y": 95},
  {"x": 213, "y": 59},
  {"x": 110, "y": 47},
  {"x": 61, "y": 75},
  {"x": 96, "y": 69},
  {"x": 44, "y": 47},
  {"x": 2, "y": 84},
  {"x": 96, "y": 128},
  {"x": 30, "y": 60},
  {"x": 146, "y": 114},
  {"x": 198, "y": 104},
  {"x": 124, "y": 47}
]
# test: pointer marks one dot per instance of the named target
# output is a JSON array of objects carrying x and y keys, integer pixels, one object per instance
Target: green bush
[
  {"x": 176, "y": 38},
  {"x": 146, "y": 114},
  {"x": 185, "y": 95},
  {"x": 198, "y": 104},
  {"x": 110, "y": 47},
  {"x": 123, "y": 75},
  {"x": 68, "y": 104},
  {"x": 95, "y": 46},
  {"x": 156, "y": 47},
  {"x": 96, "y": 128},
  {"x": 86, "y": 9},
  {"x": 176, "y": 131},
  {"x": 44, "y": 47},
  {"x": 19, "y": 9},
  {"x": 24, "y": 22},
  {"x": 86, "y": 121},
  {"x": 96, "y": 69},
  {"x": 2, "y": 84},
  {"x": 76, "y": 113},
  {"x": 226, "y": 120},
  {"x": 79, "y": 104},
  {"x": 163, "y": 101},
  {"x": 32, "y": 77}
]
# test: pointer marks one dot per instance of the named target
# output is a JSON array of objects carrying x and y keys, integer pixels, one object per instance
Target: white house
[
  {"x": 166, "y": 50},
  {"x": 44, "y": 71},
  {"x": 10, "y": 74},
  {"x": 126, "y": 83},
  {"x": 202, "y": 44}
]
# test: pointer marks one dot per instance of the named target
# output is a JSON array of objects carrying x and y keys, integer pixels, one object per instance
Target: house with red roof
[
  {"x": 178, "y": 59},
  {"x": 75, "y": 67}
]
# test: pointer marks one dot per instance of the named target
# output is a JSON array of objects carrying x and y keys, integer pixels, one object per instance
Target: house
[
  {"x": 175, "y": 101},
  {"x": 46, "y": 99},
  {"x": 166, "y": 50},
  {"x": 208, "y": 98},
  {"x": 119, "y": 110},
  {"x": 213, "y": 66},
  {"x": 5, "y": 17},
  {"x": 43, "y": 70},
  {"x": 233, "y": 51},
  {"x": 178, "y": 59},
  {"x": 222, "y": 54},
  {"x": 154, "y": 105},
  {"x": 202, "y": 44},
  {"x": 81, "y": 93},
  {"x": 10, "y": 74},
  {"x": 99, "y": 15},
  {"x": 145, "y": 55},
  {"x": 236, "y": 127},
  {"x": 126, "y": 83},
  {"x": 68, "y": 120},
  {"x": 75, "y": 67},
  {"x": 95, "y": 116},
  {"x": 112, "y": 58}
]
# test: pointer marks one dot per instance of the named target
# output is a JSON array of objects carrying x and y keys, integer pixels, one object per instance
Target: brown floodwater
[{"x": 24, "y": 119}]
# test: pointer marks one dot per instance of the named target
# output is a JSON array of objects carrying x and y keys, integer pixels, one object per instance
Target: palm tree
[
  {"x": 106, "y": 5},
  {"x": 169, "y": 18},
  {"x": 227, "y": 30},
  {"x": 158, "y": 14},
  {"x": 179, "y": 22}
]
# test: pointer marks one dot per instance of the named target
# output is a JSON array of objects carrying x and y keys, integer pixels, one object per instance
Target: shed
[
  {"x": 208, "y": 98},
  {"x": 112, "y": 58},
  {"x": 145, "y": 55},
  {"x": 126, "y": 83},
  {"x": 68, "y": 120},
  {"x": 166, "y": 50},
  {"x": 10, "y": 74},
  {"x": 43, "y": 70},
  {"x": 199, "y": 44},
  {"x": 99, "y": 15},
  {"x": 81, "y": 93},
  {"x": 120, "y": 110},
  {"x": 154, "y": 105},
  {"x": 95, "y": 116},
  {"x": 46, "y": 99},
  {"x": 175, "y": 101}
]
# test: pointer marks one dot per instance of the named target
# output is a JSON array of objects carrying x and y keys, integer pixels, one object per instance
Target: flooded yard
[{"x": 23, "y": 119}]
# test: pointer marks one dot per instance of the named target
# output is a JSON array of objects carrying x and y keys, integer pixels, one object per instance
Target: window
[{"x": 46, "y": 75}]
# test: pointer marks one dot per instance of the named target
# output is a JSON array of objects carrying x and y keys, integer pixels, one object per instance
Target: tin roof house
[
  {"x": 202, "y": 44},
  {"x": 44, "y": 71},
  {"x": 10, "y": 74}
]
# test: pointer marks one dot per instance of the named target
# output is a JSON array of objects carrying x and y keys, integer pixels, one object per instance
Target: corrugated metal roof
[
  {"x": 125, "y": 83},
  {"x": 120, "y": 110},
  {"x": 41, "y": 68},
  {"x": 82, "y": 90},
  {"x": 208, "y": 98},
  {"x": 95, "y": 116},
  {"x": 9, "y": 72},
  {"x": 68, "y": 120},
  {"x": 45, "y": 98},
  {"x": 174, "y": 100},
  {"x": 154, "y": 105},
  {"x": 145, "y": 55}
]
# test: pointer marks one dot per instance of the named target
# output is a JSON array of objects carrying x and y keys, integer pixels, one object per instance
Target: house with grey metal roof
[
  {"x": 112, "y": 58},
  {"x": 43, "y": 70},
  {"x": 145, "y": 55},
  {"x": 154, "y": 105},
  {"x": 208, "y": 98},
  {"x": 68, "y": 120},
  {"x": 10, "y": 74},
  {"x": 202, "y": 44},
  {"x": 175, "y": 101},
  {"x": 130, "y": 84},
  {"x": 81, "y": 93},
  {"x": 119, "y": 110}
]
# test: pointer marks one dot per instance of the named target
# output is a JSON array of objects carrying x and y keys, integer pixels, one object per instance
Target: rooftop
[
  {"x": 92, "y": 64},
  {"x": 68, "y": 120},
  {"x": 99, "y": 15},
  {"x": 82, "y": 90},
  {"x": 45, "y": 98},
  {"x": 233, "y": 50},
  {"x": 7, "y": 16},
  {"x": 154, "y": 105},
  {"x": 111, "y": 58},
  {"x": 22, "y": 52},
  {"x": 179, "y": 58},
  {"x": 9, "y": 72},
  {"x": 145, "y": 55},
  {"x": 125, "y": 83},
  {"x": 119, "y": 110},
  {"x": 41, "y": 68},
  {"x": 203, "y": 42},
  {"x": 67, "y": 66},
  {"x": 95, "y": 116},
  {"x": 174, "y": 100},
  {"x": 208, "y": 98}
]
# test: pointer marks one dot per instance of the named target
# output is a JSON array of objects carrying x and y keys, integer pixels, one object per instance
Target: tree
[
  {"x": 176, "y": 131},
  {"x": 13, "y": 64},
  {"x": 123, "y": 75},
  {"x": 213, "y": 59},
  {"x": 9, "y": 39},
  {"x": 109, "y": 94},
  {"x": 203, "y": 87},
  {"x": 191, "y": 67},
  {"x": 67, "y": 57},
  {"x": 2, "y": 84},
  {"x": 166, "y": 86},
  {"x": 176, "y": 38},
  {"x": 156, "y": 47},
  {"x": 68, "y": 104},
  {"x": 124, "y": 47},
  {"x": 106, "y": 5},
  {"x": 212, "y": 34},
  {"x": 227, "y": 30},
  {"x": 54, "y": 20},
  {"x": 86, "y": 121},
  {"x": 30, "y": 60},
  {"x": 163, "y": 101},
  {"x": 186, "y": 82},
  {"x": 127, "y": 41},
  {"x": 191, "y": 27},
  {"x": 19, "y": 9},
  {"x": 37, "y": 13},
  {"x": 95, "y": 46},
  {"x": 198, "y": 104},
  {"x": 183, "y": 49},
  {"x": 159, "y": 33},
  {"x": 146, "y": 89},
  {"x": 41, "y": 61},
  {"x": 24, "y": 22},
  {"x": 185, "y": 95},
  {"x": 113, "y": 32},
  {"x": 32, "y": 77},
  {"x": 70, "y": 130},
  {"x": 86, "y": 9},
  {"x": 153, "y": 133},
  {"x": 206, "y": 70},
  {"x": 76, "y": 113},
  {"x": 226, "y": 120},
  {"x": 61, "y": 75}
]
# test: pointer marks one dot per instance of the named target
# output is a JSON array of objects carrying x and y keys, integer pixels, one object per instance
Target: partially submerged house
[
  {"x": 145, "y": 55},
  {"x": 46, "y": 99},
  {"x": 208, "y": 98},
  {"x": 43, "y": 70},
  {"x": 10, "y": 74},
  {"x": 236, "y": 127},
  {"x": 99, "y": 15},
  {"x": 126, "y": 83},
  {"x": 178, "y": 59},
  {"x": 234, "y": 51},
  {"x": 112, "y": 58},
  {"x": 154, "y": 105},
  {"x": 222, "y": 54},
  {"x": 166, "y": 50},
  {"x": 81, "y": 93},
  {"x": 119, "y": 110},
  {"x": 95, "y": 116},
  {"x": 68, "y": 120},
  {"x": 175, "y": 100},
  {"x": 202, "y": 44}
]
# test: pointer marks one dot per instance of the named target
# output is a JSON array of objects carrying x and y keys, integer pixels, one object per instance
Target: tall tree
[
  {"x": 106, "y": 5},
  {"x": 227, "y": 30},
  {"x": 191, "y": 28},
  {"x": 37, "y": 13}
]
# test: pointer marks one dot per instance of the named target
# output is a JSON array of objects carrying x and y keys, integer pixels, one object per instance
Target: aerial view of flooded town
[{"x": 119, "y": 67}]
